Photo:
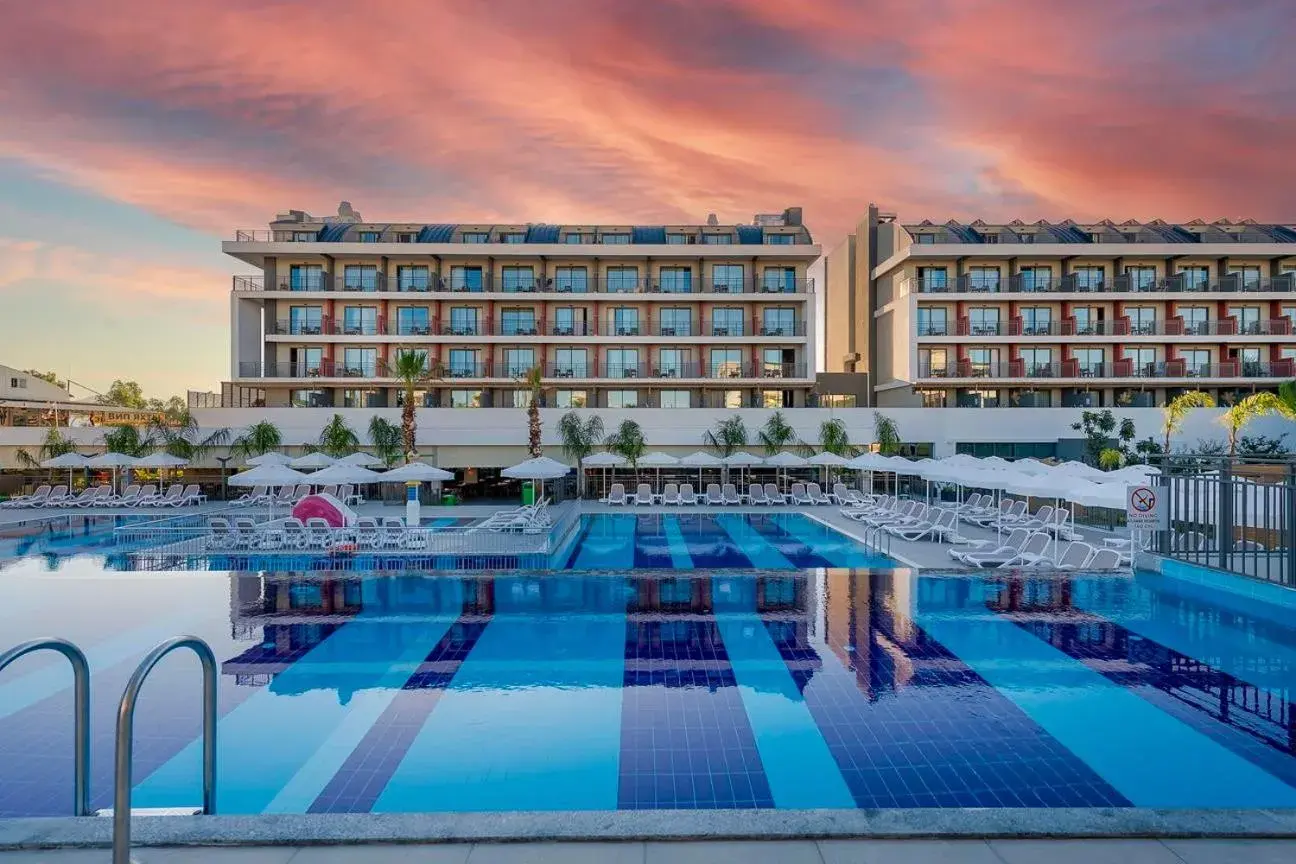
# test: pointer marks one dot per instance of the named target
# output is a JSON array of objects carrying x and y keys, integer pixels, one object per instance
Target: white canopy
[
  {"x": 364, "y": 460},
  {"x": 961, "y": 460},
  {"x": 786, "y": 459},
  {"x": 825, "y": 458},
  {"x": 658, "y": 460},
  {"x": 701, "y": 459},
  {"x": 269, "y": 475},
  {"x": 742, "y": 458},
  {"x": 539, "y": 468},
  {"x": 995, "y": 462},
  {"x": 271, "y": 458},
  {"x": 341, "y": 472},
  {"x": 417, "y": 472},
  {"x": 1076, "y": 469},
  {"x": 67, "y": 460},
  {"x": 160, "y": 460},
  {"x": 1129, "y": 474},
  {"x": 111, "y": 460},
  {"x": 313, "y": 460},
  {"x": 1031, "y": 466},
  {"x": 604, "y": 460},
  {"x": 867, "y": 462}
]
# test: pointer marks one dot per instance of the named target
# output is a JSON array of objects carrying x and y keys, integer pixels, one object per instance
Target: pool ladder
[{"x": 121, "y": 811}]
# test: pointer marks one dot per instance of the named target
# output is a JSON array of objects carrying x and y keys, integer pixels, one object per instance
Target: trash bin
[
  {"x": 528, "y": 493},
  {"x": 449, "y": 499}
]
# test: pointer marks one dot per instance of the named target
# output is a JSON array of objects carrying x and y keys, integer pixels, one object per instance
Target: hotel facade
[
  {"x": 614, "y": 316},
  {"x": 1061, "y": 314}
]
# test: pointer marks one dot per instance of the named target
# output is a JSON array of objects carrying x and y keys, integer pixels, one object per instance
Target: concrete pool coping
[{"x": 313, "y": 829}]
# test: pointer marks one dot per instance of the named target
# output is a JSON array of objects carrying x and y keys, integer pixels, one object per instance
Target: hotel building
[
  {"x": 615, "y": 316},
  {"x": 1061, "y": 314}
]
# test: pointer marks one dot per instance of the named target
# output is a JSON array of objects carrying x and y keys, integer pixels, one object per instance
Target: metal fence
[{"x": 1237, "y": 515}]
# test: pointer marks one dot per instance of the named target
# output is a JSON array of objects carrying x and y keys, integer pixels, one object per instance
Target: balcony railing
[
  {"x": 326, "y": 326},
  {"x": 503, "y": 371},
  {"x": 1117, "y": 369},
  {"x": 1124, "y": 326},
  {"x": 485, "y": 283},
  {"x": 1081, "y": 283}
]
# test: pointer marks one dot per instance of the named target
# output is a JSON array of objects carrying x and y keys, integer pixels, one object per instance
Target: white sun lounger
[
  {"x": 616, "y": 495},
  {"x": 670, "y": 494},
  {"x": 729, "y": 494},
  {"x": 798, "y": 495},
  {"x": 714, "y": 497},
  {"x": 992, "y": 552},
  {"x": 687, "y": 495},
  {"x": 643, "y": 494},
  {"x": 773, "y": 494},
  {"x": 816, "y": 494},
  {"x": 756, "y": 494},
  {"x": 36, "y": 499},
  {"x": 1104, "y": 559},
  {"x": 939, "y": 526}
]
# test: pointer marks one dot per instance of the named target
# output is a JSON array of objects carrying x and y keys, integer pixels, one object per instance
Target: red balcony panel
[
  {"x": 1071, "y": 368},
  {"x": 1123, "y": 368},
  {"x": 1229, "y": 368},
  {"x": 1280, "y": 326},
  {"x": 1121, "y": 326},
  {"x": 1176, "y": 368},
  {"x": 964, "y": 368},
  {"x": 1228, "y": 326},
  {"x": 1015, "y": 326},
  {"x": 1068, "y": 327},
  {"x": 1174, "y": 326},
  {"x": 1284, "y": 368},
  {"x": 1016, "y": 368},
  {"x": 963, "y": 326}
]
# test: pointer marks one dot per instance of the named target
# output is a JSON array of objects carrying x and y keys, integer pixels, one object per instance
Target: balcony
[
  {"x": 1119, "y": 369},
  {"x": 1124, "y": 326},
  {"x": 487, "y": 369},
  {"x": 484, "y": 283},
  {"x": 1082, "y": 283},
  {"x": 327, "y": 326}
]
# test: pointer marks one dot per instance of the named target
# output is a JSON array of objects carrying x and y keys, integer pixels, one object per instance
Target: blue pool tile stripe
[
  {"x": 608, "y": 544},
  {"x": 532, "y": 720},
  {"x": 761, "y": 552},
  {"x": 1151, "y": 758},
  {"x": 799, "y": 553},
  {"x": 837, "y": 548},
  {"x": 680, "y": 558},
  {"x": 801, "y": 770}
]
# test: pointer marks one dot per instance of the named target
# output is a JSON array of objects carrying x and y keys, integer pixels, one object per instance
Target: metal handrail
[
  {"x": 125, "y": 742},
  {"x": 81, "y": 708}
]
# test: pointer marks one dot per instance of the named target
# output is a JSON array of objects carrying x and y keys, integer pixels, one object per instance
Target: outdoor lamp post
[{"x": 224, "y": 462}]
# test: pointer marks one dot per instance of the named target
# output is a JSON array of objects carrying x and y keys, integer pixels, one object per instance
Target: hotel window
[
  {"x": 517, "y": 322},
  {"x": 1196, "y": 320},
  {"x": 1247, "y": 278},
  {"x": 516, "y": 279},
  {"x": 726, "y": 321},
  {"x": 413, "y": 278},
  {"x": 1026, "y": 237},
  {"x": 305, "y": 277},
  {"x": 305, "y": 320},
  {"x": 422, "y": 398},
  {"x": 465, "y": 398},
  {"x": 675, "y": 280},
  {"x": 1142, "y": 359},
  {"x": 727, "y": 278},
  {"x": 1196, "y": 361},
  {"x": 570, "y": 321},
  {"x": 518, "y": 399},
  {"x": 672, "y": 363},
  {"x": 838, "y": 400},
  {"x": 310, "y": 399},
  {"x": 717, "y": 239},
  {"x": 984, "y": 321},
  {"x": 1088, "y": 320},
  {"x": 360, "y": 320},
  {"x": 1089, "y": 360},
  {"x": 1287, "y": 353},
  {"x": 412, "y": 321},
  {"x": 615, "y": 239},
  {"x": 623, "y": 398},
  {"x": 360, "y": 277},
  {"x": 625, "y": 321},
  {"x": 1141, "y": 278},
  {"x": 304, "y": 236},
  {"x": 779, "y": 280},
  {"x": 990, "y": 237},
  {"x": 1037, "y": 361},
  {"x": 1289, "y": 312},
  {"x": 360, "y": 362},
  {"x": 571, "y": 363},
  {"x": 466, "y": 279},
  {"x": 933, "y": 321},
  {"x": 463, "y": 363},
  {"x": 925, "y": 239},
  {"x": 513, "y": 237},
  {"x": 463, "y": 321},
  {"x": 676, "y": 321},
  {"x": 623, "y": 363},
  {"x": 676, "y": 239},
  {"x": 1031, "y": 398},
  {"x": 1251, "y": 363},
  {"x": 422, "y": 355},
  {"x": 931, "y": 398},
  {"x": 576, "y": 238},
  {"x": 729, "y": 399},
  {"x": 1195, "y": 278},
  {"x": 674, "y": 399},
  {"x": 977, "y": 398},
  {"x": 18, "y": 383},
  {"x": 984, "y": 361},
  {"x": 570, "y": 398},
  {"x": 1036, "y": 278},
  {"x": 773, "y": 365},
  {"x": 1036, "y": 320},
  {"x": 780, "y": 239},
  {"x": 1089, "y": 278},
  {"x": 1247, "y": 319},
  {"x": 571, "y": 280},
  {"x": 518, "y": 361},
  {"x": 983, "y": 279},
  {"x": 933, "y": 279},
  {"x": 1142, "y": 320},
  {"x": 778, "y": 321},
  {"x": 474, "y": 237},
  {"x": 407, "y": 237},
  {"x": 726, "y": 362},
  {"x": 370, "y": 236},
  {"x": 620, "y": 279},
  {"x": 306, "y": 361},
  {"x": 775, "y": 398}
]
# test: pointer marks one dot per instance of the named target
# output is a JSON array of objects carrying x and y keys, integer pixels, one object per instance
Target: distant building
[{"x": 26, "y": 400}]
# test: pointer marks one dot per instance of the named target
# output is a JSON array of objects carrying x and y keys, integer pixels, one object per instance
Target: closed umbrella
[
  {"x": 271, "y": 458},
  {"x": 540, "y": 468},
  {"x": 113, "y": 461},
  {"x": 68, "y": 461},
  {"x": 701, "y": 459},
  {"x": 313, "y": 460},
  {"x": 161, "y": 460}
]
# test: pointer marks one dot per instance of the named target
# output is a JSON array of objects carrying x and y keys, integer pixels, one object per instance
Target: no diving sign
[{"x": 1143, "y": 508}]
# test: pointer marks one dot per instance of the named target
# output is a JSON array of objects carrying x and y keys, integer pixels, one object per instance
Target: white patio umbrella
[
  {"x": 161, "y": 460},
  {"x": 416, "y": 472},
  {"x": 1128, "y": 474},
  {"x": 540, "y": 468},
  {"x": 341, "y": 472},
  {"x": 364, "y": 460},
  {"x": 269, "y": 474},
  {"x": 826, "y": 461},
  {"x": 604, "y": 460},
  {"x": 68, "y": 461},
  {"x": 271, "y": 458},
  {"x": 113, "y": 461},
  {"x": 658, "y": 460},
  {"x": 313, "y": 460},
  {"x": 700, "y": 459},
  {"x": 784, "y": 460},
  {"x": 742, "y": 459},
  {"x": 1076, "y": 469},
  {"x": 1031, "y": 466}
]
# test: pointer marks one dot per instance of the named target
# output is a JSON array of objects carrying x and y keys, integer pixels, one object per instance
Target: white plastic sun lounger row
[
  {"x": 315, "y": 534},
  {"x": 103, "y": 496},
  {"x": 1025, "y": 548},
  {"x": 527, "y": 519}
]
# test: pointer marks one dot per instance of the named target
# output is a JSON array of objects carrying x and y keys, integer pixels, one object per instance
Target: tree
[
  {"x": 833, "y": 438},
  {"x": 579, "y": 438},
  {"x": 1176, "y": 411},
  {"x": 1110, "y": 459},
  {"x": 387, "y": 439},
  {"x": 1253, "y": 407},
  {"x": 533, "y": 381},
  {"x": 1263, "y": 447},
  {"x": 411, "y": 369},
  {"x": 728, "y": 436},
  {"x": 127, "y": 394},
  {"x": 776, "y": 434},
  {"x": 258, "y": 439},
  {"x": 887, "y": 434},
  {"x": 53, "y": 446},
  {"x": 1102, "y": 431},
  {"x": 183, "y": 438},
  {"x": 627, "y": 442},
  {"x": 127, "y": 439},
  {"x": 51, "y": 377},
  {"x": 1287, "y": 393},
  {"x": 174, "y": 410},
  {"x": 337, "y": 439}
]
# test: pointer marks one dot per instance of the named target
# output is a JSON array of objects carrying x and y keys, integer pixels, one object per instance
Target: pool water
[{"x": 827, "y": 687}]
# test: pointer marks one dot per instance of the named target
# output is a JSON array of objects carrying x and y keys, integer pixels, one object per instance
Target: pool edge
[{"x": 325, "y": 829}]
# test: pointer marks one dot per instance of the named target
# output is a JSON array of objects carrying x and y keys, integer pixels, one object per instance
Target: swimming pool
[{"x": 644, "y": 689}]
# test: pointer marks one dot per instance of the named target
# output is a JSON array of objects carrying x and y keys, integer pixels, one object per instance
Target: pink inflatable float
[{"x": 325, "y": 507}]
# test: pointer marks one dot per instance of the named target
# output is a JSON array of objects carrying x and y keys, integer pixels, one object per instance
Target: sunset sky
[{"x": 136, "y": 134}]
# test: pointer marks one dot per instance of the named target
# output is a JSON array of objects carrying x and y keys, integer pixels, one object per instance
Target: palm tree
[
  {"x": 54, "y": 445},
  {"x": 182, "y": 437},
  {"x": 1287, "y": 393},
  {"x": 532, "y": 380},
  {"x": 727, "y": 436},
  {"x": 337, "y": 439},
  {"x": 1251, "y": 408},
  {"x": 387, "y": 439},
  {"x": 411, "y": 369},
  {"x": 627, "y": 442},
  {"x": 887, "y": 434},
  {"x": 776, "y": 434},
  {"x": 258, "y": 439},
  {"x": 1110, "y": 459},
  {"x": 1176, "y": 411},
  {"x": 579, "y": 438},
  {"x": 126, "y": 439},
  {"x": 833, "y": 438}
]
